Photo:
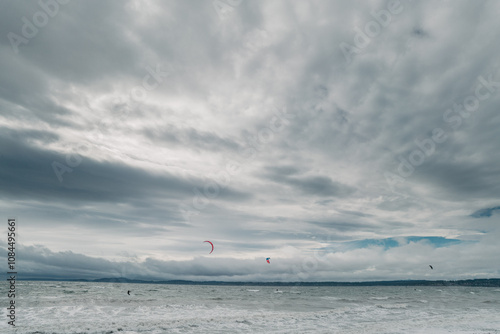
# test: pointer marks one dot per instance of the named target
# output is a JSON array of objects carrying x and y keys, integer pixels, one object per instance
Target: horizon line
[{"x": 495, "y": 281}]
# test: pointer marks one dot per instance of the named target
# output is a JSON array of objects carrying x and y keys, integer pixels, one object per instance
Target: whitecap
[{"x": 393, "y": 306}]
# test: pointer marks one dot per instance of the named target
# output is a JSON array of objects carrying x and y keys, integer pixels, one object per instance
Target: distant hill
[{"x": 483, "y": 282}]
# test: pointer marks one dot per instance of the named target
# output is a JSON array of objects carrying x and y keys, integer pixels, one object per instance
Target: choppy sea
[{"x": 74, "y": 307}]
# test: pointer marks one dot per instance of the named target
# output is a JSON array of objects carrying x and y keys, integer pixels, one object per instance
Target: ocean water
[{"x": 73, "y": 307}]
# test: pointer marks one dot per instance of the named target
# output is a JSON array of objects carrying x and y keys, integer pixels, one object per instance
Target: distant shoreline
[{"x": 481, "y": 282}]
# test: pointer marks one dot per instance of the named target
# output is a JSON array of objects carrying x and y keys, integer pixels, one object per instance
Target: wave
[
  {"x": 393, "y": 306},
  {"x": 379, "y": 298},
  {"x": 347, "y": 300}
]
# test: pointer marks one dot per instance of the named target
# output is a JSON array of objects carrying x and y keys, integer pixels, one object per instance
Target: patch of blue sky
[{"x": 388, "y": 243}]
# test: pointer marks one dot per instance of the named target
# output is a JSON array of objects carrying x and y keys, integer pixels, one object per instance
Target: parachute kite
[
  {"x": 210, "y": 244},
  {"x": 267, "y": 259}
]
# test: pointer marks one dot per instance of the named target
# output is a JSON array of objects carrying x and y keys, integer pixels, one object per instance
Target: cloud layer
[{"x": 357, "y": 138}]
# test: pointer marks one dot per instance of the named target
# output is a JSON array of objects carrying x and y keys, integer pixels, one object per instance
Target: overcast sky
[{"x": 345, "y": 140}]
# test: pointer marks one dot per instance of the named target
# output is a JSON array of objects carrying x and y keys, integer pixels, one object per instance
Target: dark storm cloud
[
  {"x": 466, "y": 180},
  {"x": 311, "y": 185},
  {"x": 40, "y": 260},
  {"x": 486, "y": 212},
  {"x": 27, "y": 172}
]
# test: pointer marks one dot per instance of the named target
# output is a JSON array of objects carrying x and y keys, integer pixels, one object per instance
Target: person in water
[{"x": 128, "y": 292}]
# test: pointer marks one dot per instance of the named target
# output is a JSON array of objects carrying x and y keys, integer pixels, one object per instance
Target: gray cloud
[
  {"x": 28, "y": 173},
  {"x": 311, "y": 185},
  {"x": 486, "y": 212},
  {"x": 190, "y": 138}
]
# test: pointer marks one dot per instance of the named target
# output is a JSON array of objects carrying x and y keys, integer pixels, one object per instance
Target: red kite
[{"x": 210, "y": 244}]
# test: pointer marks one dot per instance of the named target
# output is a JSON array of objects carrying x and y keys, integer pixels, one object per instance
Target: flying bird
[{"x": 210, "y": 244}]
